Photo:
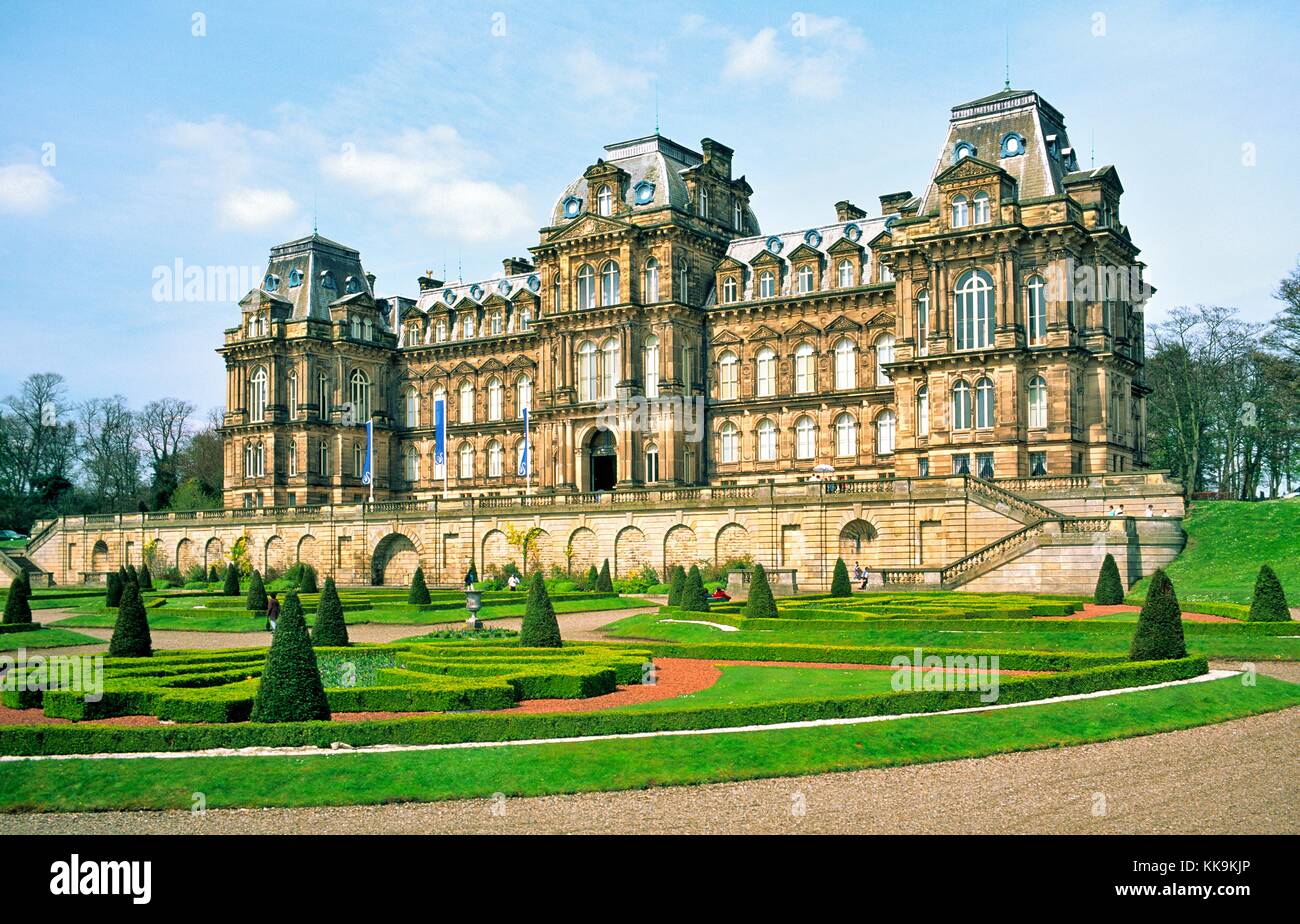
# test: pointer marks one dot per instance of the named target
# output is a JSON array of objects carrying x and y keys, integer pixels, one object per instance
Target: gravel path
[{"x": 1224, "y": 778}]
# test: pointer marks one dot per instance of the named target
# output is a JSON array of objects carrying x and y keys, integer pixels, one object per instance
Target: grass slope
[{"x": 533, "y": 770}]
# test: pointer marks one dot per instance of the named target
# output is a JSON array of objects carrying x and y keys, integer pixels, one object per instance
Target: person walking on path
[{"x": 272, "y": 611}]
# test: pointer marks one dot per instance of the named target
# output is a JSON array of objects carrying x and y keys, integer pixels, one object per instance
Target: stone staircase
[{"x": 13, "y": 563}]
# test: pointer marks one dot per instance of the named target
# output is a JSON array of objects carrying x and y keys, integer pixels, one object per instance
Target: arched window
[
  {"x": 259, "y": 458},
  {"x": 961, "y": 405},
  {"x": 294, "y": 399},
  {"x": 609, "y": 293},
  {"x": 805, "y": 278},
  {"x": 586, "y": 371},
  {"x": 805, "y": 438},
  {"x": 467, "y": 326},
  {"x": 923, "y": 411},
  {"x": 737, "y": 215},
  {"x": 523, "y": 394},
  {"x": 729, "y": 290},
  {"x": 355, "y": 326},
  {"x": 846, "y": 274},
  {"x": 846, "y": 366},
  {"x": 556, "y": 294},
  {"x": 495, "y": 458},
  {"x": 359, "y": 392},
  {"x": 704, "y": 202},
  {"x": 984, "y": 403},
  {"x": 651, "y": 280},
  {"x": 652, "y": 366},
  {"x": 412, "y": 406},
  {"x": 974, "y": 310},
  {"x": 604, "y": 201},
  {"x": 609, "y": 368},
  {"x": 805, "y": 371},
  {"x": 440, "y": 330},
  {"x": 496, "y": 398},
  {"x": 683, "y": 281},
  {"x": 585, "y": 295},
  {"x": 728, "y": 375},
  {"x": 1036, "y": 308},
  {"x": 766, "y": 284},
  {"x": 498, "y": 324},
  {"x": 765, "y": 373},
  {"x": 922, "y": 321},
  {"x": 257, "y": 395},
  {"x": 411, "y": 464},
  {"x": 960, "y": 212},
  {"x": 886, "y": 423},
  {"x": 466, "y": 470},
  {"x": 730, "y": 440},
  {"x": 323, "y": 460},
  {"x": 846, "y": 435},
  {"x": 248, "y": 460},
  {"x": 525, "y": 317},
  {"x": 358, "y": 460},
  {"x": 884, "y": 356},
  {"x": 325, "y": 392},
  {"x": 466, "y": 410},
  {"x": 1037, "y": 402},
  {"x": 981, "y": 212},
  {"x": 652, "y": 463},
  {"x": 766, "y": 440}
]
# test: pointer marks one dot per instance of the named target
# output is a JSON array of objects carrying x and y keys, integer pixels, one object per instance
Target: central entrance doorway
[{"x": 603, "y": 458}]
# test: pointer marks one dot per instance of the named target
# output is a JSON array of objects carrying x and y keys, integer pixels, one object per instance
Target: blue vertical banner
[
  {"x": 440, "y": 430},
  {"x": 370, "y": 452},
  {"x": 526, "y": 452}
]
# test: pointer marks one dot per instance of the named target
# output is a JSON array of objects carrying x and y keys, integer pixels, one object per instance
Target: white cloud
[
  {"x": 247, "y": 207},
  {"x": 754, "y": 59},
  {"x": 815, "y": 59},
  {"x": 594, "y": 77},
  {"x": 27, "y": 189}
]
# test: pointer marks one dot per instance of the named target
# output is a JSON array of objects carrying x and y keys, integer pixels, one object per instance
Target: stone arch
[
  {"x": 309, "y": 551},
  {"x": 586, "y": 550},
  {"x": 99, "y": 556},
  {"x": 496, "y": 550},
  {"x": 631, "y": 551},
  {"x": 184, "y": 556},
  {"x": 542, "y": 553},
  {"x": 731, "y": 543},
  {"x": 681, "y": 547},
  {"x": 274, "y": 556},
  {"x": 214, "y": 553},
  {"x": 855, "y": 540},
  {"x": 395, "y": 559}
]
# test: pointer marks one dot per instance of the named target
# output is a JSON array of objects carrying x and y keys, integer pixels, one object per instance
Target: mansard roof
[
  {"x": 452, "y": 294},
  {"x": 781, "y": 247},
  {"x": 313, "y": 257}
]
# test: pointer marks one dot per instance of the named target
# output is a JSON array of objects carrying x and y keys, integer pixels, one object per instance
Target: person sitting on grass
[
  {"x": 272, "y": 610},
  {"x": 720, "y": 595}
]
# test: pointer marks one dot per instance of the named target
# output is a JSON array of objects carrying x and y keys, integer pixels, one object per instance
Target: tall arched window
[
  {"x": 923, "y": 411},
  {"x": 495, "y": 457},
  {"x": 586, "y": 371},
  {"x": 730, "y": 442},
  {"x": 323, "y": 457},
  {"x": 846, "y": 435},
  {"x": 974, "y": 310},
  {"x": 886, "y": 423},
  {"x": 704, "y": 202},
  {"x": 984, "y": 403},
  {"x": 729, "y": 290},
  {"x": 961, "y": 405},
  {"x": 411, "y": 464},
  {"x": 846, "y": 274},
  {"x": 683, "y": 282},
  {"x": 766, "y": 440},
  {"x": 440, "y": 330},
  {"x": 358, "y": 460},
  {"x": 981, "y": 211},
  {"x": 360, "y": 395},
  {"x": 1036, "y": 308},
  {"x": 884, "y": 356},
  {"x": 585, "y": 294},
  {"x": 412, "y": 404},
  {"x": 1037, "y": 402},
  {"x": 557, "y": 294},
  {"x": 651, "y": 463},
  {"x": 737, "y": 215},
  {"x": 846, "y": 366},
  {"x": 728, "y": 375},
  {"x": 609, "y": 290},
  {"x": 804, "y": 278},
  {"x": 960, "y": 212},
  {"x": 652, "y": 366},
  {"x": 467, "y": 326},
  {"x": 294, "y": 398},
  {"x": 324, "y": 392},
  {"x": 651, "y": 280},
  {"x": 466, "y": 469},
  {"x": 805, "y": 438},
  {"x": 765, "y": 373},
  {"x": 922, "y": 322},
  {"x": 609, "y": 368},
  {"x": 766, "y": 284},
  {"x": 805, "y": 374},
  {"x": 496, "y": 399},
  {"x": 466, "y": 414},
  {"x": 257, "y": 395},
  {"x": 523, "y": 394},
  {"x": 604, "y": 201}
]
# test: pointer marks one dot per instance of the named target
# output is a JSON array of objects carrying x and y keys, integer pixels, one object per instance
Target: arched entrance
[
  {"x": 394, "y": 561},
  {"x": 856, "y": 537},
  {"x": 602, "y": 460}
]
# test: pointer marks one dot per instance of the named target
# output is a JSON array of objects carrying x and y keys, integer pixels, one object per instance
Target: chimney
[
  {"x": 513, "y": 266},
  {"x": 427, "y": 281},
  {"x": 370, "y": 281},
  {"x": 718, "y": 156},
  {"x": 847, "y": 211},
  {"x": 892, "y": 203}
]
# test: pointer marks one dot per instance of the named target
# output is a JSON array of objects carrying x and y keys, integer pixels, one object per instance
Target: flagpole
[{"x": 370, "y": 452}]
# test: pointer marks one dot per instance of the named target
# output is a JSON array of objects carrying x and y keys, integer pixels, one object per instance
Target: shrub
[
  {"x": 604, "y": 583},
  {"x": 330, "y": 628},
  {"x": 146, "y": 578},
  {"x": 132, "y": 575},
  {"x": 676, "y": 583},
  {"x": 1159, "y": 634},
  {"x": 1110, "y": 589},
  {"x": 131, "y": 637},
  {"x": 291, "y": 688},
  {"x": 18, "y": 607},
  {"x": 113, "y": 594},
  {"x": 231, "y": 586},
  {"x": 761, "y": 604},
  {"x": 840, "y": 586},
  {"x": 540, "y": 628},
  {"x": 694, "y": 599},
  {"x": 307, "y": 580},
  {"x": 213, "y": 576},
  {"x": 1269, "y": 602},
  {"x": 419, "y": 590},
  {"x": 256, "y": 592},
  {"x": 592, "y": 580}
]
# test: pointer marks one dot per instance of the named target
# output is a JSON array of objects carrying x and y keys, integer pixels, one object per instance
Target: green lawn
[
  {"x": 532, "y": 770},
  {"x": 45, "y": 638},
  {"x": 1227, "y": 541},
  {"x": 741, "y": 684}
]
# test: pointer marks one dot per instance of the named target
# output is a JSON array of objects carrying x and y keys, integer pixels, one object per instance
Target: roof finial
[
  {"x": 1092, "y": 147},
  {"x": 1006, "y": 81},
  {"x": 656, "y": 105},
  {"x": 313, "y": 213}
]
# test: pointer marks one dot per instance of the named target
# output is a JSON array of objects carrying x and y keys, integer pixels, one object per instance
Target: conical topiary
[
  {"x": 1110, "y": 589},
  {"x": 1159, "y": 632},
  {"x": 146, "y": 578},
  {"x": 840, "y": 586},
  {"x": 540, "y": 628},
  {"x": 593, "y": 578},
  {"x": 213, "y": 576},
  {"x": 291, "y": 688},
  {"x": 113, "y": 592},
  {"x": 18, "y": 607},
  {"x": 306, "y": 579},
  {"x": 330, "y": 628},
  {"x": 256, "y": 599},
  {"x": 231, "y": 586},
  {"x": 419, "y": 590},
  {"x": 131, "y": 637},
  {"x": 761, "y": 604},
  {"x": 1269, "y": 602},
  {"x": 694, "y": 599},
  {"x": 604, "y": 583},
  {"x": 676, "y": 583}
]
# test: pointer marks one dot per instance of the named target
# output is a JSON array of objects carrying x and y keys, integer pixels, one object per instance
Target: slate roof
[
  {"x": 452, "y": 293},
  {"x": 312, "y": 256}
]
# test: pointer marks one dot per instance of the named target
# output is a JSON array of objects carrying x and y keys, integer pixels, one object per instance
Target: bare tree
[
  {"x": 163, "y": 426},
  {"x": 37, "y": 447},
  {"x": 110, "y": 457}
]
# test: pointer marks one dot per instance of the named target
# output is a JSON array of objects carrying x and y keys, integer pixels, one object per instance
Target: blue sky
[{"x": 432, "y": 135}]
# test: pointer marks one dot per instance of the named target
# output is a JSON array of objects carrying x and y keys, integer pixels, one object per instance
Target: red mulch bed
[{"x": 1091, "y": 610}]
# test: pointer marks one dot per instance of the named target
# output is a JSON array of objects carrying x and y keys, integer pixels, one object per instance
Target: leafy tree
[
  {"x": 419, "y": 594},
  {"x": 1159, "y": 632},
  {"x": 331, "y": 629},
  {"x": 761, "y": 604},
  {"x": 1269, "y": 602},
  {"x": 694, "y": 599},
  {"x": 18, "y": 608},
  {"x": 307, "y": 579},
  {"x": 525, "y": 540},
  {"x": 256, "y": 592},
  {"x": 840, "y": 586},
  {"x": 231, "y": 587},
  {"x": 131, "y": 638},
  {"x": 540, "y": 628},
  {"x": 291, "y": 688},
  {"x": 1110, "y": 589},
  {"x": 676, "y": 584},
  {"x": 604, "y": 583}
]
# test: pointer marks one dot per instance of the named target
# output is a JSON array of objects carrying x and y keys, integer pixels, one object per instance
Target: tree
[
  {"x": 113, "y": 591},
  {"x": 1285, "y": 333},
  {"x": 1159, "y": 632},
  {"x": 331, "y": 628},
  {"x": 146, "y": 578},
  {"x": 604, "y": 583},
  {"x": 231, "y": 586},
  {"x": 761, "y": 604},
  {"x": 162, "y": 425},
  {"x": 525, "y": 540},
  {"x": 1269, "y": 602},
  {"x": 38, "y": 440},
  {"x": 306, "y": 579},
  {"x": 108, "y": 447},
  {"x": 291, "y": 688},
  {"x": 676, "y": 583},
  {"x": 694, "y": 598},
  {"x": 131, "y": 637},
  {"x": 419, "y": 594},
  {"x": 256, "y": 593},
  {"x": 840, "y": 586},
  {"x": 1110, "y": 588},
  {"x": 540, "y": 628},
  {"x": 18, "y": 608}
]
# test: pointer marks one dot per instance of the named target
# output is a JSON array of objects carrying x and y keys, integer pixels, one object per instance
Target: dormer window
[
  {"x": 813, "y": 239},
  {"x": 846, "y": 274},
  {"x": 645, "y": 192},
  {"x": 468, "y": 326},
  {"x": 1054, "y": 147},
  {"x": 981, "y": 216},
  {"x": 271, "y": 282},
  {"x": 504, "y": 287},
  {"x": 352, "y": 285},
  {"x": 295, "y": 278},
  {"x": 960, "y": 212},
  {"x": 327, "y": 280},
  {"x": 766, "y": 284},
  {"x": 476, "y": 292},
  {"x": 852, "y": 232},
  {"x": 1013, "y": 144},
  {"x": 572, "y": 207},
  {"x": 440, "y": 331},
  {"x": 773, "y": 245},
  {"x": 962, "y": 150},
  {"x": 729, "y": 290},
  {"x": 604, "y": 202},
  {"x": 805, "y": 278}
]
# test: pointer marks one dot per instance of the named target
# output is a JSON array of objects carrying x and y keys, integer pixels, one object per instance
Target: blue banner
[
  {"x": 440, "y": 430},
  {"x": 527, "y": 449},
  {"x": 370, "y": 451}
]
